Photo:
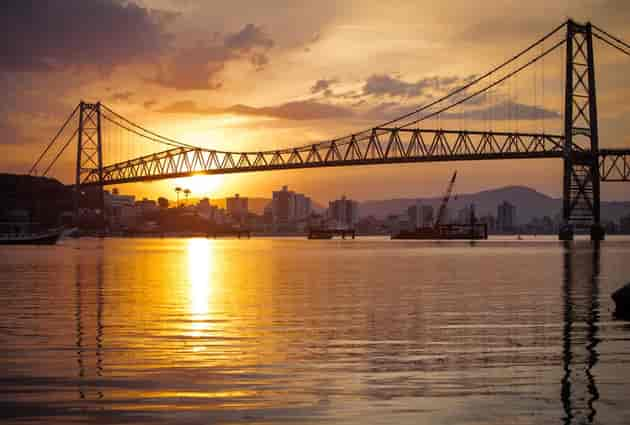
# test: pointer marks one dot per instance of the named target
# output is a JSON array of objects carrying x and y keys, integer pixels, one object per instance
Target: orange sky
[{"x": 311, "y": 70}]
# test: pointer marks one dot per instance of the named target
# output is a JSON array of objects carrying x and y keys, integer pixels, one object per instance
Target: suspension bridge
[{"x": 481, "y": 101}]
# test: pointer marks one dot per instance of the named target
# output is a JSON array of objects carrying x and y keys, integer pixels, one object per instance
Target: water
[{"x": 369, "y": 331}]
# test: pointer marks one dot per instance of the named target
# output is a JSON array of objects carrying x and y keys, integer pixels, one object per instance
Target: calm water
[{"x": 369, "y": 331}]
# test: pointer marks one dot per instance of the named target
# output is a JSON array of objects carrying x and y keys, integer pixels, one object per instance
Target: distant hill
[{"x": 529, "y": 204}]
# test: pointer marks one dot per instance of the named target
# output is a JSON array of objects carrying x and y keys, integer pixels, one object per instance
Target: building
[
  {"x": 344, "y": 212},
  {"x": 122, "y": 210},
  {"x": 506, "y": 217},
  {"x": 283, "y": 206},
  {"x": 420, "y": 216},
  {"x": 237, "y": 208},
  {"x": 302, "y": 206},
  {"x": 288, "y": 207},
  {"x": 147, "y": 207}
]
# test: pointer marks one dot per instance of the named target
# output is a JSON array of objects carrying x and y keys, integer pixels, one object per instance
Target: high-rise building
[
  {"x": 288, "y": 206},
  {"x": 420, "y": 216},
  {"x": 344, "y": 212},
  {"x": 302, "y": 206},
  {"x": 237, "y": 207},
  {"x": 506, "y": 217}
]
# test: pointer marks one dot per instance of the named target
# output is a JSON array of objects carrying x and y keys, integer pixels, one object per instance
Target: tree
[
  {"x": 186, "y": 193},
  {"x": 177, "y": 190},
  {"x": 163, "y": 202}
]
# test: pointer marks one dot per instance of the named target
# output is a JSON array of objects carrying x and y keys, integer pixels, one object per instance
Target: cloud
[
  {"x": 200, "y": 67},
  {"x": 150, "y": 103},
  {"x": 322, "y": 86},
  {"x": 386, "y": 85},
  {"x": 194, "y": 68},
  {"x": 54, "y": 35},
  {"x": 508, "y": 110},
  {"x": 249, "y": 38},
  {"x": 297, "y": 110}
]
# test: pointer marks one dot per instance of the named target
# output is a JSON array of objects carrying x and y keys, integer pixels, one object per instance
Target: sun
[{"x": 201, "y": 185}]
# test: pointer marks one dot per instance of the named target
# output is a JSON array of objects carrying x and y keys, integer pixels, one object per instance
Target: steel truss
[
  {"x": 384, "y": 146},
  {"x": 614, "y": 165}
]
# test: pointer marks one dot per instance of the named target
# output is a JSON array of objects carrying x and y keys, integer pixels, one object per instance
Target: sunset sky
[{"x": 251, "y": 75}]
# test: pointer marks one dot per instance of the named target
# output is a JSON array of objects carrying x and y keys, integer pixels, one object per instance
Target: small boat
[{"x": 45, "y": 237}]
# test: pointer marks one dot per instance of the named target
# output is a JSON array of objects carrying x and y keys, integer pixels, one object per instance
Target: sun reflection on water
[{"x": 200, "y": 289}]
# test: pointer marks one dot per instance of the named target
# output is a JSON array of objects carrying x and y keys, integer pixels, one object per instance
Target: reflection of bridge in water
[
  {"x": 581, "y": 316},
  {"x": 406, "y": 139}
]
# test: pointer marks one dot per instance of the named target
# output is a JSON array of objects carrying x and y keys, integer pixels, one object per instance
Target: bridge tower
[
  {"x": 89, "y": 155},
  {"x": 581, "y": 197}
]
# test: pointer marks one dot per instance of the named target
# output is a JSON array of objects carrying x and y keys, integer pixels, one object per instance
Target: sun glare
[{"x": 200, "y": 185}]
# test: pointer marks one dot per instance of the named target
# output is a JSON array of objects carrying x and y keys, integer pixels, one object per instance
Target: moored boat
[{"x": 45, "y": 237}]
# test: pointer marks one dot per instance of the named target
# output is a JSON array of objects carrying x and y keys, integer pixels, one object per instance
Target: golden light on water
[{"x": 200, "y": 281}]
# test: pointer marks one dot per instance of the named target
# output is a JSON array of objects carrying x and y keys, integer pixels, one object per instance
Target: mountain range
[{"x": 529, "y": 204}]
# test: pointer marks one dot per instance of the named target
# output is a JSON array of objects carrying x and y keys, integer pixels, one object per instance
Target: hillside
[{"x": 529, "y": 204}]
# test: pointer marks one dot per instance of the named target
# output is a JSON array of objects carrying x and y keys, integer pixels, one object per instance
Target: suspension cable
[
  {"x": 611, "y": 44},
  {"x": 163, "y": 139},
  {"x": 54, "y": 139},
  {"x": 617, "y": 39},
  {"x": 60, "y": 151},
  {"x": 478, "y": 79},
  {"x": 502, "y": 79},
  {"x": 137, "y": 133}
]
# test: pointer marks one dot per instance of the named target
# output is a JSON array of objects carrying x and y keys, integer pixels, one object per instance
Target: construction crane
[{"x": 447, "y": 197}]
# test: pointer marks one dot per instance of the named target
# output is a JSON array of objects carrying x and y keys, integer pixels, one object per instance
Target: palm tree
[
  {"x": 177, "y": 190},
  {"x": 186, "y": 193}
]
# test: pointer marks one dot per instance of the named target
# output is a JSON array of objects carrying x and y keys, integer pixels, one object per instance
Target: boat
[
  {"x": 470, "y": 231},
  {"x": 45, "y": 237}
]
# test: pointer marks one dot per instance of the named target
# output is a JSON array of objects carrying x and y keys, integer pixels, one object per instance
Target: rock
[{"x": 622, "y": 300}]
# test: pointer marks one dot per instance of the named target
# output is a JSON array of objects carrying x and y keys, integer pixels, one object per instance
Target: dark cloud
[
  {"x": 200, "y": 67},
  {"x": 386, "y": 85},
  {"x": 322, "y": 86},
  {"x": 47, "y": 35},
  {"x": 508, "y": 110},
  {"x": 298, "y": 110},
  {"x": 249, "y": 38}
]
